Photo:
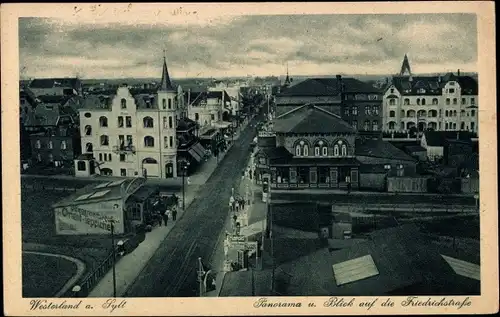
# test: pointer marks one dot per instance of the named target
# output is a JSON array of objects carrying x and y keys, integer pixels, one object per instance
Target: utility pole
[{"x": 111, "y": 221}]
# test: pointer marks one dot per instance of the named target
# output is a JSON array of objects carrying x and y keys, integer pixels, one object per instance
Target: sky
[{"x": 255, "y": 45}]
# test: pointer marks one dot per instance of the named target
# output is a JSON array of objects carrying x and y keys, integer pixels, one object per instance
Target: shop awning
[
  {"x": 221, "y": 125},
  {"x": 199, "y": 149},
  {"x": 195, "y": 155}
]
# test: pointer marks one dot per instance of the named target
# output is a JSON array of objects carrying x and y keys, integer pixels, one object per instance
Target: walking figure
[
  {"x": 165, "y": 217},
  {"x": 158, "y": 217},
  {"x": 174, "y": 214},
  {"x": 237, "y": 206}
]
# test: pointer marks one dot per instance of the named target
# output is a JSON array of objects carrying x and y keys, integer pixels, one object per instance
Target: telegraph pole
[{"x": 114, "y": 254}]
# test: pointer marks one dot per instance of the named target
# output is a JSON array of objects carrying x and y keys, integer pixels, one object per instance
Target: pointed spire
[
  {"x": 165, "y": 84},
  {"x": 287, "y": 79},
  {"x": 405, "y": 68}
]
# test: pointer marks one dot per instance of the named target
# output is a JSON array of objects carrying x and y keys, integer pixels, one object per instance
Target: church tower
[
  {"x": 288, "y": 81},
  {"x": 167, "y": 107},
  {"x": 405, "y": 67}
]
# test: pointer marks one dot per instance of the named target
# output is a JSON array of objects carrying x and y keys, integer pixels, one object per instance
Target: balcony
[{"x": 124, "y": 149}]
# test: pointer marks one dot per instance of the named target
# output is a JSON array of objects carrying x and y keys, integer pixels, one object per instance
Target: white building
[
  {"x": 441, "y": 103},
  {"x": 129, "y": 135},
  {"x": 208, "y": 108}
]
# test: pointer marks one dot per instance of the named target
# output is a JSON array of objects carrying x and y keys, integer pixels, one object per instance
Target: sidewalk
[{"x": 130, "y": 266}]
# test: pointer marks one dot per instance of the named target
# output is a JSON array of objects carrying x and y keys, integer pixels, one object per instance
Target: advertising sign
[{"x": 89, "y": 218}]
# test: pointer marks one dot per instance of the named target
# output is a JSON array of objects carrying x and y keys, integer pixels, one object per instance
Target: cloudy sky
[{"x": 255, "y": 45}]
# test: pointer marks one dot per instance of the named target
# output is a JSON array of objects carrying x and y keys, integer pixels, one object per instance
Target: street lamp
[
  {"x": 75, "y": 290},
  {"x": 184, "y": 167},
  {"x": 112, "y": 225}
]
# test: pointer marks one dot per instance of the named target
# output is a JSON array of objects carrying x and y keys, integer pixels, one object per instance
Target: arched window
[
  {"x": 104, "y": 140},
  {"x": 446, "y": 113},
  {"x": 316, "y": 151},
  {"x": 447, "y": 101},
  {"x": 100, "y": 157},
  {"x": 392, "y": 125},
  {"x": 392, "y": 101},
  {"x": 366, "y": 126},
  {"x": 324, "y": 151},
  {"x": 392, "y": 114},
  {"x": 149, "y": 141},
  {"x": 418, "y": 101},
  {"x": 148, "y": 122},
  {"x": 164, "y": 103},
  {"x": 88, "y": 130},
  {"x": 344, "y": 150},
  {"x": 306, "y": 150},
  {"x": 446, "y": 125},
  {"x": 402, "y": 113},
  {"x": 434, "y": 101},
  {"x": 298, "y": 150},
  {"x": 423, "y": 101},
  {"x": 149, "y": 160},
  {"x": 473, "y": 113},
  {"x": 103, "y": 122},
  {"x": 124, "y": 103},
  {"x": 454, "y": 113},
  {"x": 89, "y": 147},
  {"x": 81, "y": 166},
  {"x": 336, "y": 150},
  {"x": 320, "y": 148},
  {"x": 454, "y": 101},
  {"x": 407, "y": 101},
  {"x": 462, "y": 113},
  {"x": 375, "y": 125},
  {"x": 462, "y": 125}
]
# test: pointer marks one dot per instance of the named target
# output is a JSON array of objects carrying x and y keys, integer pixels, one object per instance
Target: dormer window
[
  {"x": 123, "y": 103},
  {"x": 164, "y": 103}
]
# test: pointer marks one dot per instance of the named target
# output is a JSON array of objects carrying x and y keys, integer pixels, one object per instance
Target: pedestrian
[
  {"x": 242, "y": 204},
  {"x": 174, "y": 214},
  {"x": 348, "y": 181},
  {"x": 237, "y": 206},
  {"x": 165, "y": 216}
]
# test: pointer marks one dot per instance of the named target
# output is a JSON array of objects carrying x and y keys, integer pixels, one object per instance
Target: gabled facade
[
  {"x": 441, "y": 103},
  {"x": 129, "y": 135}
]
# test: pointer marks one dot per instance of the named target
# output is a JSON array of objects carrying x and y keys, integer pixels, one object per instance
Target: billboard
[{"x": 89, "y": 218}]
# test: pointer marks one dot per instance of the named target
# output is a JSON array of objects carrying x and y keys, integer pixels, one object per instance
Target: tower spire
[
  {"x": 287, "y": 79},
  {"x": 165, "y": 84},
  {"x": 405, "y": 67}
]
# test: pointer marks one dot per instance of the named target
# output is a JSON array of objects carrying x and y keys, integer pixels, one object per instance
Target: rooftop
[
  {"x": 433, "y": 84},
  {"x": 440, "y": 138},
  {"x": 55, "y": 82},
  {"x": 329, "y": 87},
  {"x": 311, "y": 119},
  {"x": 381, "y": 149}
]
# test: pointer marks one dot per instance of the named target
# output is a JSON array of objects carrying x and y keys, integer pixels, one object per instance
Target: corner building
[{"x": 128, "y": 136}]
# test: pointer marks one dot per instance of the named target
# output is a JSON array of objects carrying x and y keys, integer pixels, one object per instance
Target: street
[{"x": 172, "y": 271}]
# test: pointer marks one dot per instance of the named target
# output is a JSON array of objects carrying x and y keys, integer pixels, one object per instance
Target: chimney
[{"x": 458, "y": 72}]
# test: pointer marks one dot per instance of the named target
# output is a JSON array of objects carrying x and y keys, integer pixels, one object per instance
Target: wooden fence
[{"x": 407, "y": 184}]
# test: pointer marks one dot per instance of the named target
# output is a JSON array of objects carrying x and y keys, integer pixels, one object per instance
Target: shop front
[{"x": 327, "y": 173}]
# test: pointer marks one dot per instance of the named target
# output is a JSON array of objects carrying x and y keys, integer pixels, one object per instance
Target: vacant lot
[{"x": 43, "y": 276}]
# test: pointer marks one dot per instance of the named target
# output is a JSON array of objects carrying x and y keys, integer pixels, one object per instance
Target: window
[
  {"x": 196, "y": 116},
  {"x": 171, "y": 141},
  {"x": 120, "y": 122},
  {"x": 372, "y": 97},
  {"x": 446, "y": 125},
  {"x": 392, "y": 125},
  {"x": 103, "y": 121},
  {"x": 418, "y": 101},
  {"x": 306, "y": 150},
  {"x": 454, "y": 101},
  {"x": 50, "y": 145},
  {"x": 212, "y": 117},
  {"x": 434, "y": 101},
  {"x": 149, "y": 141},
  {"x": 324, "y": 151},
  {"x": 462, "y": 125},
  {"x": 421, "y": 91},
  {"x": 446, "y": 113},
  {"x": 387, "y": 166},
  {"x": 392, "y": 114},
  {"x": 472, "y": 126},
  {"x": 406, "y": 102},
  {"x": 316, "y": 151},
  {"x": 81, "y": 166},
  {"x": 464, "y": 101},
  {"x": 123, "y": 172},
  {"x": 38, "y": 144},
  {"x": 148, "y": 122},
  {"x": 124, "y": 103},
  {"x": 451, "y": 90},
  {"x": 454, "y": 113},
  {"x": 129, "y": 140},
  {"x": 169, "y": 103},
  {"x": 344, "y": 150},
  {"x": 89, "y": 147},
  {"x": 368, "y": 110},
  {"x": 448, "y": 101},
  {"x": 375, "y": 110},
  {"x": 100, "y": 156},
  {"x": 473, "y": 113},
  {"x": 452, "y": 83},
  {"x": 366, "y": 126},
  {"x": 346, "y": 111},
  {"x": 375, "y": 125},
  {"x": 164, "y": 103},
  {"x": 392, "y": 90},
  {"x": 355, "y": 110},
  {"x": 122, "y": 157},
  {"x": 355, "y": 124},
  {"x": 165, "y": 142},
  {"x": 423, "y": 101},
  {"x": 402, "y": 126},
  {"x": 170, "y": 123},
  {"x": 63, "y": 145},
  {"x": 128, "y": 121},
  {"x": 336, "y": 150},
  {"x": 472, "y": 101},
  {"x": 109, "y": 157},
  {"x": 392, "y": 101},
  {"x": 462, "y": 113},
  {"x": 454, "y": 125},
  {"x": 87, "y": 115},
  {"x": 303, "y": 175},
  {"x": 104, "y": 140}
]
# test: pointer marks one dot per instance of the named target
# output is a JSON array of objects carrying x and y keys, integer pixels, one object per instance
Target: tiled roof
[
  {"x": 329, "y": 87},
  {"x": 274, "y": 153},
  {"x": 433, "y": 85},
  {"x": 165, "y": 83},
  {"x": 311, "y": 119},
  {"x": 55, "y": 82},
  {"x": 317, "y": 161},
  {"x": 93, "y": 102},
  {"x": 415, "y": 148},
  {"x": 381, "y": 149},
  {"x": 439, "y": 138},
  {"x": 404, "y": 259}
]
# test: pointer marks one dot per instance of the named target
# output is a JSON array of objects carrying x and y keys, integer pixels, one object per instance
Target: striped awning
[{"x": 195, "y": 154}]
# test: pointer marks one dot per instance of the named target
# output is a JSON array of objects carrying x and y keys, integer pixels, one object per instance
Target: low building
[
  {"x": 57, "y": 147},
  {"x": 87, "y": 211},
  {"x": 439, "y": 143},
  {"x": 56, "y": 86},
  {"x": 416, "y": 151}
]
